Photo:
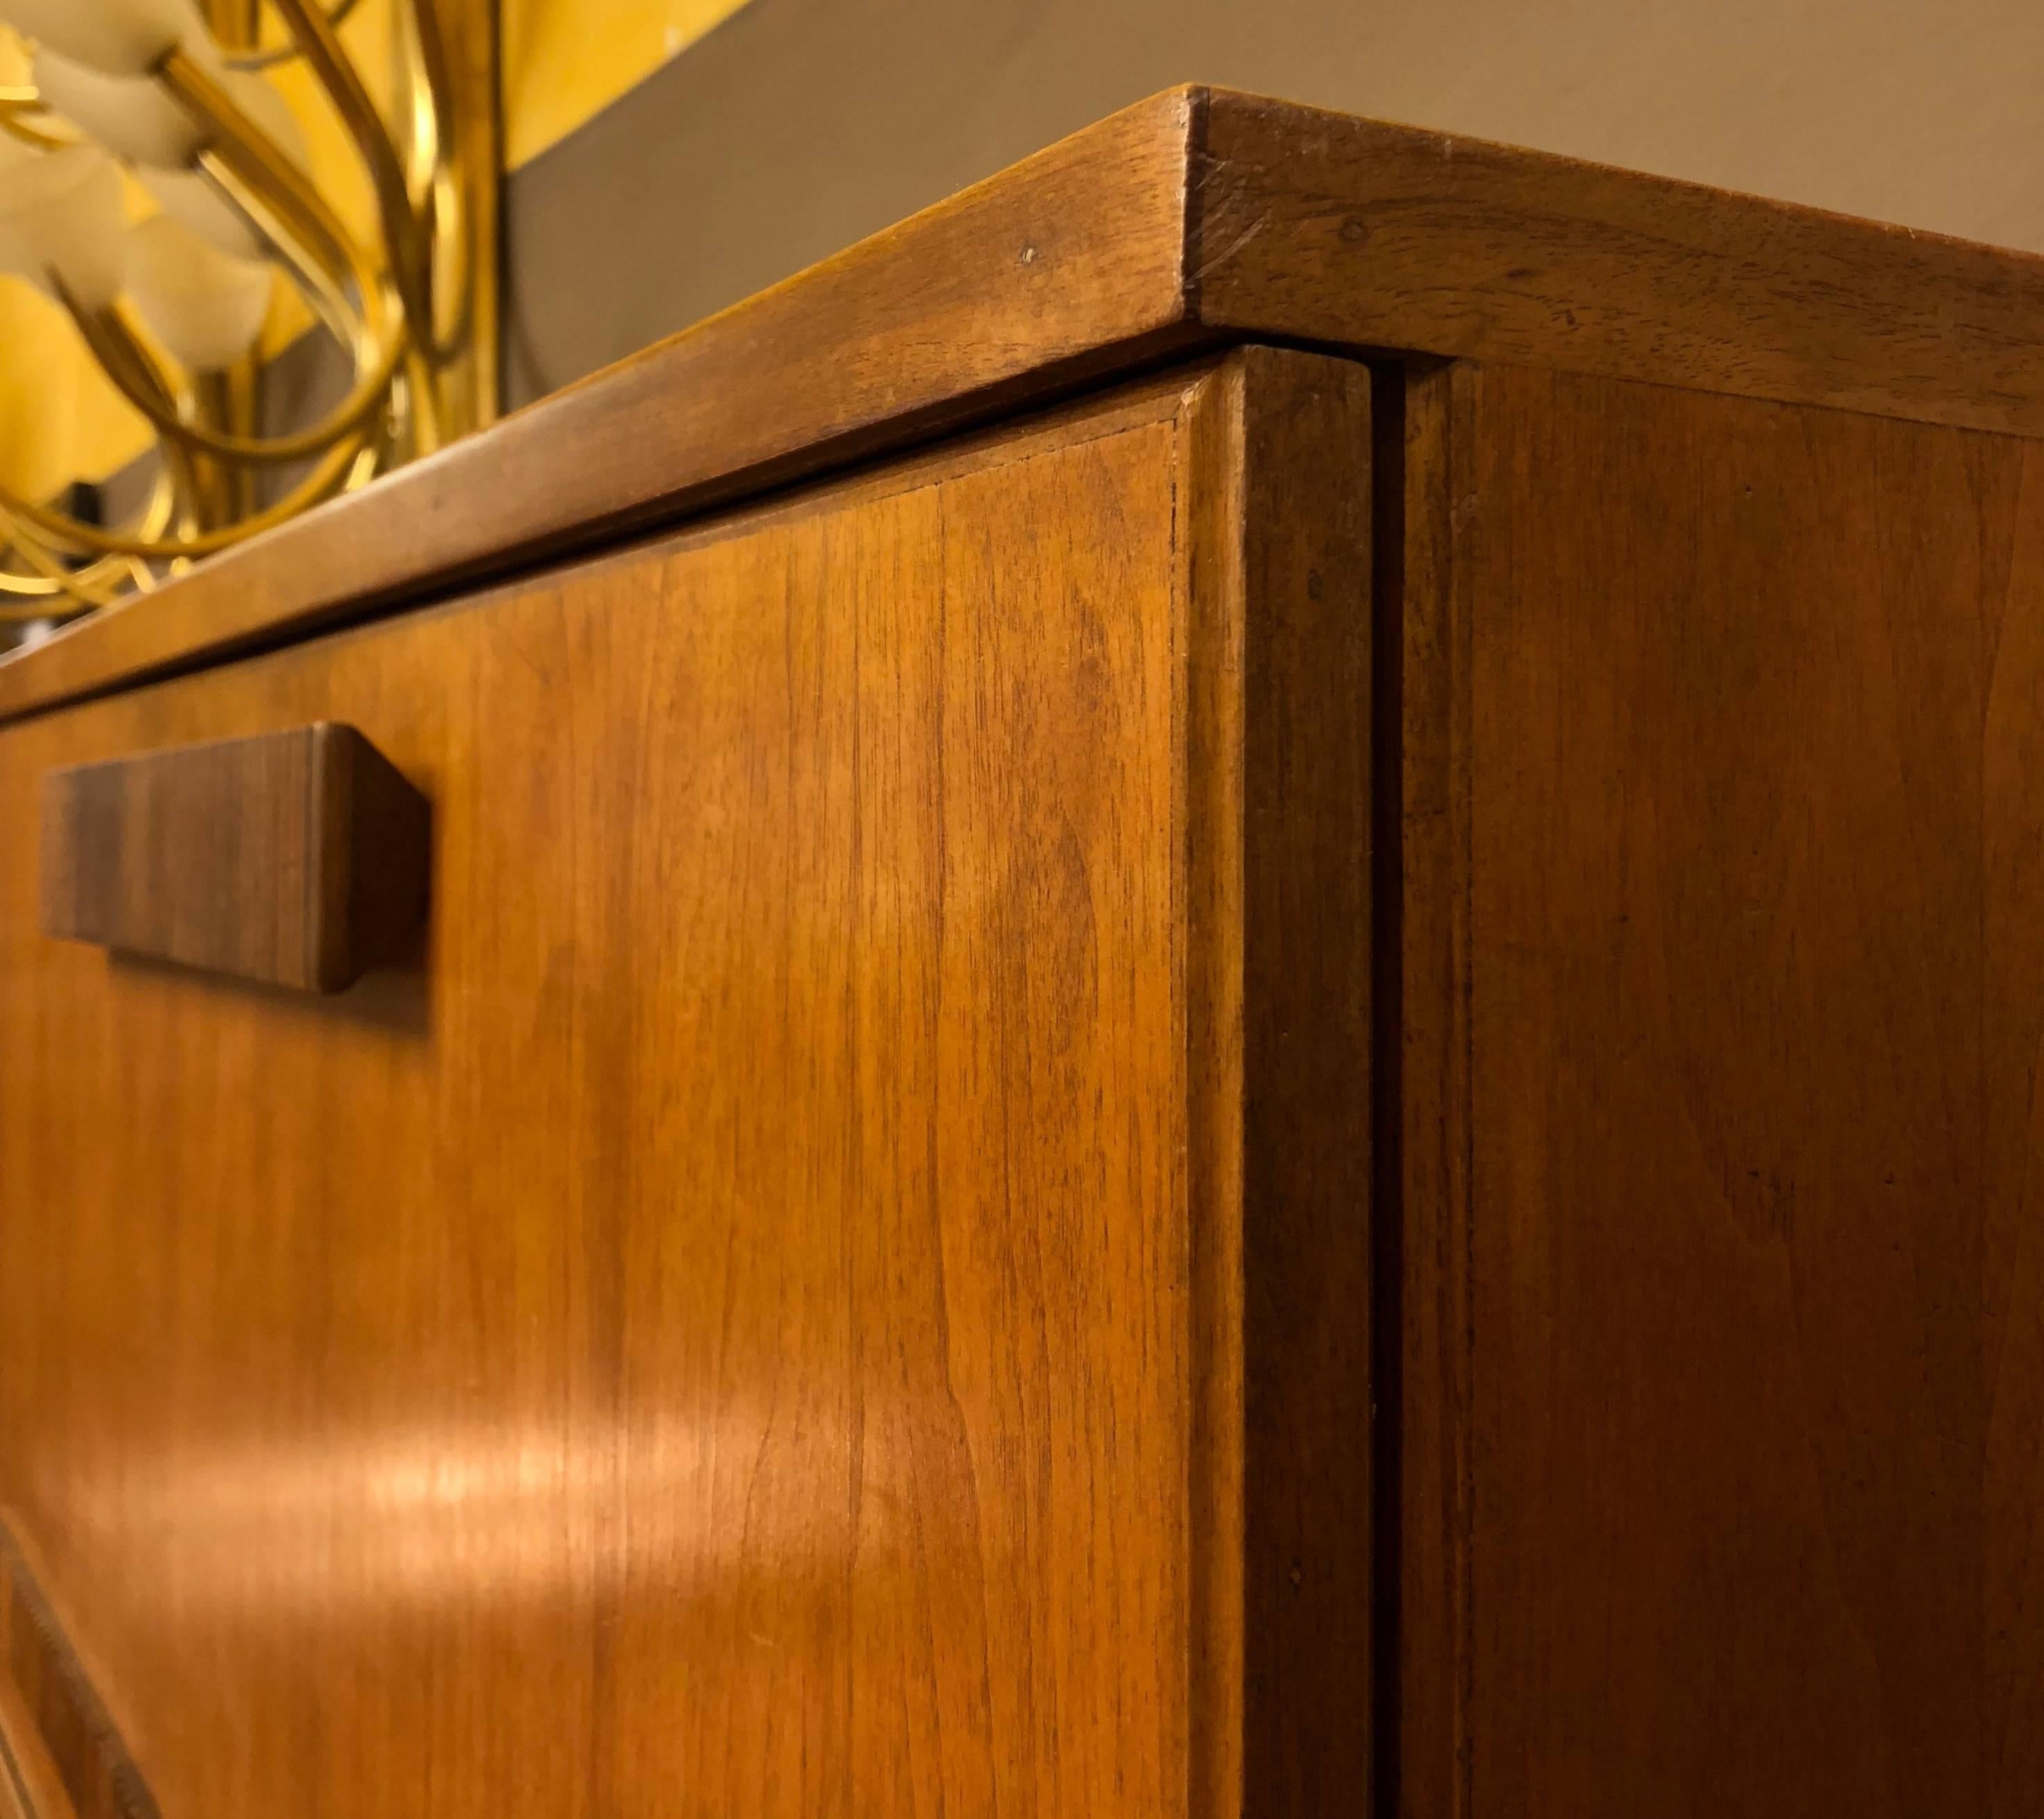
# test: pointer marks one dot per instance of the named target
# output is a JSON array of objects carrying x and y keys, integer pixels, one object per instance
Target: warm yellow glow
[
  {"x": 336, "y": 172},
  {"x": 59, "y": 419},
  {"x": 565, "y": 60},
  {"x": 458, "y": 1514},
  {"x": 59, "y": 415}
]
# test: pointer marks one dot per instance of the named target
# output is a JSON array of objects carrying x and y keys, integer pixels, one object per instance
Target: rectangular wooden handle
[{"x": 294, "y": 858}]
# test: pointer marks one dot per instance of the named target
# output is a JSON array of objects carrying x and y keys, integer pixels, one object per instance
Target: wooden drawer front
[
  {"x": 593, "y": 1368},
  {"x": 708, "y": 1332}
]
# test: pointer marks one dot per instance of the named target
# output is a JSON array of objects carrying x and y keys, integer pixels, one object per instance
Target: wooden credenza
[{"x": 1215, "y": 990}]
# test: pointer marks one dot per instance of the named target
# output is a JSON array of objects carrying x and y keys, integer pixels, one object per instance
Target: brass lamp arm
[
  {"x": 313, "y": 32},
  {"x": 21, "y": 106},
  {"x": 72, "y": 533},
  {"x": 89, "y": 586},
  {"x": 106, "y": 333},
  {"x": 254, "y": 158},
  {"x": 412, "y": 301},
  {"x": 325, "y": 287},
  {"x": 254, "y": 63}
]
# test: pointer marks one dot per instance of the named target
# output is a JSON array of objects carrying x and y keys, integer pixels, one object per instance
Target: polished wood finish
[
  {"x": 1196, "y": 218},
  {"x": 1724, "y": 1310},
  {"x": 1306, "y": 1087},
  {"x": 60, "y": 1755},
  {"x": 1427, "y": 477},
  {"x": 1279, "y": 989},
  {"x": 1316, "y": 226},
  {"x": 745, "y": 1321},
  {"x": 30, "y": 1787},
  {"x": 296, "y": 858},
  {"x": 1067, "y": 268}
]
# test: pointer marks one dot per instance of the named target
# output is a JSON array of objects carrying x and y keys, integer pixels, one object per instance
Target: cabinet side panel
[{"x": 1757, "y": 839}]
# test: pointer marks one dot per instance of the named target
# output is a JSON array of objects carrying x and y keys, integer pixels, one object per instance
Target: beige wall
[{"x": 800, "y": 124}]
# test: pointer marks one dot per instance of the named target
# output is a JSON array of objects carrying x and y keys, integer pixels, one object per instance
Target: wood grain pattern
[
  {"x": 1758, "y": 1003},
  {"x": 1196, "y": 218},
  {"x": 1319, "y": 226},
  {"x": 1066, "y": 269},
  {"x": 296, "y": 858},
  {"x": 30, "y": 1787},
  {"x": 1424, "y": 789},
  {"x": 60, "y": 1755},
  {"x": 735, "y": 1331},
  {"x": 1280, "y": 1054}
]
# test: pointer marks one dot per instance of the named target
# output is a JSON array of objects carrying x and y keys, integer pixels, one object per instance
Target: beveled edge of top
[{"x": 1198, "y": 217}]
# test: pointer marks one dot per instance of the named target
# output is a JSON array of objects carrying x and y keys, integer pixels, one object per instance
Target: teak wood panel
[
  {"x": 1319, "y": 226},
  {"x": 296, "y": 858},
  {"x": 61, "y": 1756},
  {"x": 763, "y": 1315},
  {"x": 1736, "y": 723},
  {"x": 1196, "y": 218}
]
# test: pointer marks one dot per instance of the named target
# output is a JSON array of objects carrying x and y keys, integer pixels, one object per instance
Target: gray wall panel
[{"x": 800, "y": 125}]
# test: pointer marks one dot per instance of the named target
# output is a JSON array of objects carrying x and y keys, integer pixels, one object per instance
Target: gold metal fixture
[{"x": 177, "y": 94}]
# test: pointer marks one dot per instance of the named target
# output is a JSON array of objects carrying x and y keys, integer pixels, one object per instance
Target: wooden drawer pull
[{"x": 294, "y": 858}]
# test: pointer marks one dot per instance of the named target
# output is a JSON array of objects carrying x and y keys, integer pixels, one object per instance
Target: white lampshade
[
  {"x": 116, "y": 37},
  {"x": 62, "y": 212},
  {"x": 13, "y": 155},
  {"x": 191, "y": 202},
  {"x": 205, "y": 306},
  {"x": 138, "y": 118},
  {"x": 15, "y": 259},
  {"x": 133, "y": 116}
]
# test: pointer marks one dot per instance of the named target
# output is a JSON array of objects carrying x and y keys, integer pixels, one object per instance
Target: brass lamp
[{"x": 178, "y": 96}]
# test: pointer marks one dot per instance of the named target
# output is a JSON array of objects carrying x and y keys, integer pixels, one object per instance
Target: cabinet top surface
[{"x": 1194, "y": 219}]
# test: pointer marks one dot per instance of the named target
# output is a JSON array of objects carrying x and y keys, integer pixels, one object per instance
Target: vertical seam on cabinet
[
  {"x": 1387, "y": 968},
  {"x": 1462, "y": 405}
]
